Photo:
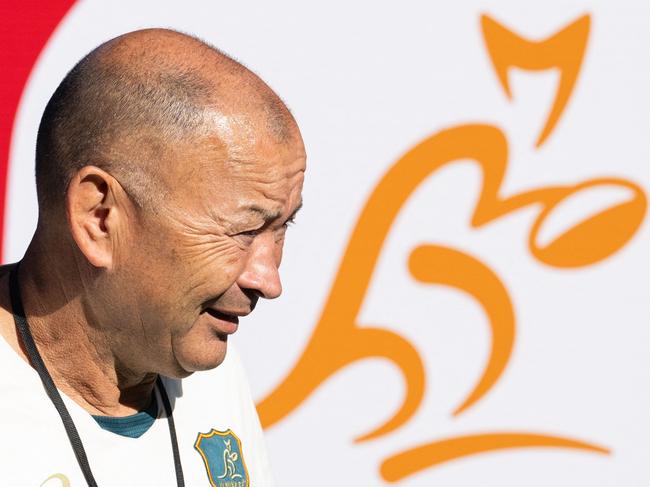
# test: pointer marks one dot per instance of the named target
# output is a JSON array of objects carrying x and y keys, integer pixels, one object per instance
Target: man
[{"x": 167, "y": 174}]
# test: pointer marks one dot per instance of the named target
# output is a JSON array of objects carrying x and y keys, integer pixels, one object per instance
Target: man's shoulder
[
  {"x": 7, "y": 325},
  {"x": 5, "y": 269}
]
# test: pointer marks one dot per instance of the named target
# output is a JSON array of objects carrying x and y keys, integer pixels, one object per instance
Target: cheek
[
  {"x": 205, "y": 264},
  {"x": 191, "y": 263},
  {"x": 211, "y": 273},
  {"x": 200, "y": 348}
]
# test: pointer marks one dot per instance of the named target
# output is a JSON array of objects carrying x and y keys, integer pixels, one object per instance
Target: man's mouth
[{"x": 224, "y": 323}]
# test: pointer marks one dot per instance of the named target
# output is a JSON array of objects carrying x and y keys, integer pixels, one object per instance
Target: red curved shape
[{"x": 27, "y": 26}]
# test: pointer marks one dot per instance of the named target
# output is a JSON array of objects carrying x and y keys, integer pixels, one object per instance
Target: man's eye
[
  {"x": 289, "y": 222},
  {"x": 250, "y": 233}
]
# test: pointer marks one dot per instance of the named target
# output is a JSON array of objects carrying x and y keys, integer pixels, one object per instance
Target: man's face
[{"x": 214, "y": 248}]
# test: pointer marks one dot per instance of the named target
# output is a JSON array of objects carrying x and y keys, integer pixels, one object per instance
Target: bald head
[{"x": 130, "y": 101}]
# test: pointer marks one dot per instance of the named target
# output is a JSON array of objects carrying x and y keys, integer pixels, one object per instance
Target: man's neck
[{"x": 75, "y": 348}]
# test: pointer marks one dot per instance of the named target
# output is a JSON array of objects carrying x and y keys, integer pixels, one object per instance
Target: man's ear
[{"x": 93, "y": 214}]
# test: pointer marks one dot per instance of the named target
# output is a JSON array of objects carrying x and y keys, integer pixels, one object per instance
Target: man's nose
[{"x": 261, "y": 272}]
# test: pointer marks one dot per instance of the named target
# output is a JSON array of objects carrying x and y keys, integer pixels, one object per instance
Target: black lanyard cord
[
  {"x": 180, "y": 481},
  {"x": 51, "y": 390}
]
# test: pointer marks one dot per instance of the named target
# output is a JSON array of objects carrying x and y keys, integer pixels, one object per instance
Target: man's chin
[{"x": 205, "y": 357}]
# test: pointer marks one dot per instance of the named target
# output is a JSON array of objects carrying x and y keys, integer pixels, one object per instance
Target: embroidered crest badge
[{"x": 222, "y": 454}]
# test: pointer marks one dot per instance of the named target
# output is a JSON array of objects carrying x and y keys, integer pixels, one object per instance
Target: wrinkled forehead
[
  {"x": 243, "y": 162},
  {"x": 261, "y": 145}
]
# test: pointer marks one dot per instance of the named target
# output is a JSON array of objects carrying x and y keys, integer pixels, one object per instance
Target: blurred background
[{"x": 465, "y": 291}]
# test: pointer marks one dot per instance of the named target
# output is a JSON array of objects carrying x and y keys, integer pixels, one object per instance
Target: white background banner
[{"x": 466, "y": 289}]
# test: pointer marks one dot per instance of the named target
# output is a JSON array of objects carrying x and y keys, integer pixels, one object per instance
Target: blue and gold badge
[{"x": 223, "y": 458}]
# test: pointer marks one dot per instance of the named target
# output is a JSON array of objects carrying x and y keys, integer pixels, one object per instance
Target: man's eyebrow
[
  {"x": 270, "y": 215},
  {"x": 266, "y": 214}
]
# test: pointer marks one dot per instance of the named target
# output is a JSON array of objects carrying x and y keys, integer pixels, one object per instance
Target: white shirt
[{"x": 215, "y": 404}]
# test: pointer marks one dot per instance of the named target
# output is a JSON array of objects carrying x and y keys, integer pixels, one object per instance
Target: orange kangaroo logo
[{"x": 338, "y": 340}]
